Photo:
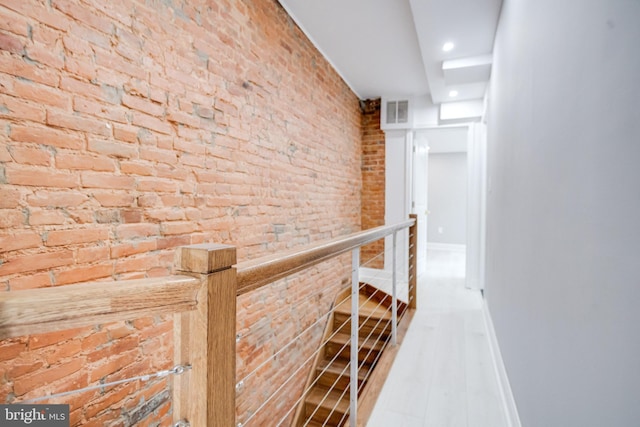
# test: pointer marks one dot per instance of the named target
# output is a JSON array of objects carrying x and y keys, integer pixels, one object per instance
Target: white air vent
[{"x": 396, "y": 114}]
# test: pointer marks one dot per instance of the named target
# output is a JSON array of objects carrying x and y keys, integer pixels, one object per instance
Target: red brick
[
  {"x": 116, "y": 347},
  {"x": 137, "y": 168},
  {"x": 157, "y": 185},
  {"x": 81, "y": 161},
  {"x": 63, "y": 351},
  {"x": 36, "y": 262},
  {"x": 125, "y": 133},
  {"x": 111, "y": 199},
  {"x": 15, "y": 108},
  {"x": 55, "y": 199},
  {"x": 9, "y": 198},
  {"x": 80, "y": 87},
  {"x": 14, "y": 23},
  {"x": 79, "y": 123},
  {"x": 143, "y": 105},
  {"x": 112, "y": 148},
  {"x": 31, "y": 155},
  {"x": 11, "y": 44},
  {"x": 152, "y": 123},
  {"x": 43, "y": 377},
  {"x": 113, "y": 364},
  {"x": 112, "y": 61},
  {"x": 82, "y": 14},
  {"x": 75, "y": 236},
  {"x": 139, "y": 263},
  {"x": 92, "y": 254},
  {"x": 130, "y": 231},
  {"x": 23, "y": 367},
  {"x": 19, "y": 68},
  {"x": 157, "y": 155},
  {"x": 4, "y": 152},
  {"x": 77, "y": 46},
  {"x": 106, "y": 180},
  {"x": 179, "y": 227},
  {"x": 40, "y": 177},
  {"x": 22, "y": 240},
  {"x": 91, "y": 35},
  {"x": 10, "y": 349},
  {"x": 46, "y": 136},
  {"x": 43, "y": 340},
  {"x": 80, "y": 67},
  {"x": 83, "y": 274},
  {"x": 11, "y": 218},
  {"x": 174, "y": 242},
  {"x": 53, "y": 58},
  {"x": 111, "y": 113},
  {"x": 48, "y": 217},
  {"x": 39, "y": 280}
]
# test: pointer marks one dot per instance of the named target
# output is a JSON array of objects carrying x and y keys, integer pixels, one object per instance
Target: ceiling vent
[{"x": 396, "y": 114}]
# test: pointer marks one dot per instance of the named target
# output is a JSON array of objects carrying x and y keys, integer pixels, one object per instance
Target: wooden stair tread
[
  {"x": 338, "y": 366},
  {"x": 341, "y": 339},
  {"x": 366, "y": 308},
  {"x": 334, "y": 399}
]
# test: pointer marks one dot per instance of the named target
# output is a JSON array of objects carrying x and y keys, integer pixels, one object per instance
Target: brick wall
[
  {"x": 373, "y": 171},
  {"x": 129, "y": 128}
]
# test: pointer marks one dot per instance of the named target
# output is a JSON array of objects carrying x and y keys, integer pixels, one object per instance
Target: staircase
[{"x": 326, "y": 401}]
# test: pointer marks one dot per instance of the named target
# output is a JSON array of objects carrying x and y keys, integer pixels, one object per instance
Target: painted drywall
[
  {"x": 447, "y": 184},
  {"x": 563, "y": 209}
]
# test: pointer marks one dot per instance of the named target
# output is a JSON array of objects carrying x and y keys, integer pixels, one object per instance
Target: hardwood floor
[{"x": 443, "y": 375}]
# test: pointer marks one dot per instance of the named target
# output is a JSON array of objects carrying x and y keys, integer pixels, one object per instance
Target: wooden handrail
[
  {"x": 40, "y": 310},
  {"x": 253, "y": 274}
]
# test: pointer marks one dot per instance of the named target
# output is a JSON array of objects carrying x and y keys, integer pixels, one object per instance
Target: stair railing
[
  {"x": 253, "y": 274},
  {"x": 202, "y": 297}
]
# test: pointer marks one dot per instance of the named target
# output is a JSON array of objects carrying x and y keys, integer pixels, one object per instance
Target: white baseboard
[
  {"x": 446, "y": 247},
  {"x": 506, "y": 395}
]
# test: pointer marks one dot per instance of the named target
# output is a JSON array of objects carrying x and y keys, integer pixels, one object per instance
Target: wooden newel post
[
  {"x": 205, "y": 338},
  {"x": 413, "y": 262}
]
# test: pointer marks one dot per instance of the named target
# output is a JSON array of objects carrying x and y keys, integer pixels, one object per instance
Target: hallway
[{"x": 443, "y": 374}]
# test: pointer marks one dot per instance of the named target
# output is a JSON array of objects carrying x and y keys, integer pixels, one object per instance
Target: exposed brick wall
[
  {"x": 373, "y": 172},
  {"x": 129, "y": 128}
]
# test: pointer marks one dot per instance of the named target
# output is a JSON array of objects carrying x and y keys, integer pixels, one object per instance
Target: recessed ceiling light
[
  {"x": 453, "y": 93},
  {"x": 448, "y": 46}
]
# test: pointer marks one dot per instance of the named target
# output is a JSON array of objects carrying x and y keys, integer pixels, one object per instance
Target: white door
[{"x": 419, "y": 196}]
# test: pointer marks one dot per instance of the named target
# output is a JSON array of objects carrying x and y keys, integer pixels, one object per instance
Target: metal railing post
[
  {"x": 394, "y": 300},
  {"x": 355, "y": 293}
]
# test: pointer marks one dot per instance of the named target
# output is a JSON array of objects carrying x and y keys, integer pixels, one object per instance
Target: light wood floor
[{"x": 443, "y": 375}]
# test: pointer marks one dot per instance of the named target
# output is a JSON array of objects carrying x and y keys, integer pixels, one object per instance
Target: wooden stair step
[
  {"x": 339, "y": 345},
  {"x": 372, "y": 326},
  {"x": 366, "y": 308},
  {"x": 337, "y": 373},
  {"x": 341, "y": 339},
  {"x": 331, "y": 405}
]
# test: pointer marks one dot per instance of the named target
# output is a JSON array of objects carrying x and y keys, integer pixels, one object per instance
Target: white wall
[
  {"x": 397, "y": 195},
  {"x": 447, "y": 198},
  {"x": 563, "y": 209}
]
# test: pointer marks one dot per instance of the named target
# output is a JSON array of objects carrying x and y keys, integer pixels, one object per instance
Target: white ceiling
[{"x": 394, "y": 47}]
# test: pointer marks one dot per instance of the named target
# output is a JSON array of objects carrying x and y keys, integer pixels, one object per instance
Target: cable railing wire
[
  {"x": 322, "y": 344},
  {"x": 294, "y": 339},
  {"x": 337, "y": 354},
  {"x": 360, "y": 366},
  {"x": 333, "y": 309}
]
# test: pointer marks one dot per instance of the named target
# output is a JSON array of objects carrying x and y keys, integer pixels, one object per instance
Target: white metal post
[
  {"x": 394, "y": 301},
  {"x": 355, "y": 292}
]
